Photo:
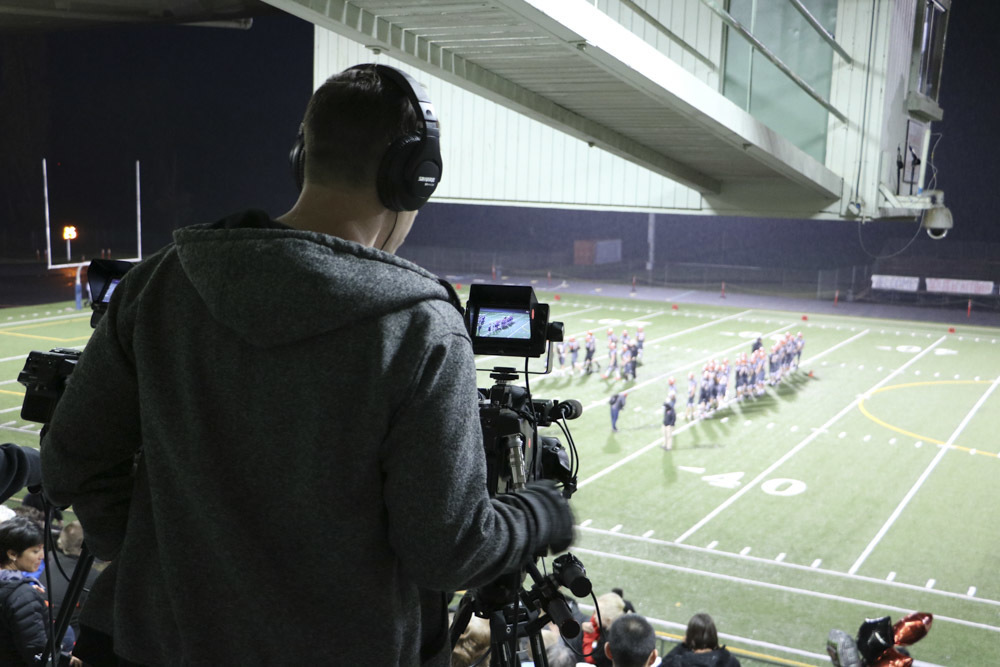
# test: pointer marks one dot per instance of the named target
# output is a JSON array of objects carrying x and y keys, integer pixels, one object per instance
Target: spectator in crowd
[
  {"x": 595, "y": 631},
  {"x": 561, "y": 655},
  {"x": 629, "y": 607},
  {"x": 299, "y": 358},
  {"x": 63, "y": 562},
  {"x": 473, "y": 644},
  {"x": 23, "y": 618},
  {"x": 631, "y": 642},
  {"x": 701, "y": 647}
]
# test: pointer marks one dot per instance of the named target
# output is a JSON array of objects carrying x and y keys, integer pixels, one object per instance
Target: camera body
[{"x": 45, "y": 374}]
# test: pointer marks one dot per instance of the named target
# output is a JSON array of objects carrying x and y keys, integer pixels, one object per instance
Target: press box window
[{"x": 928, "y": 59}]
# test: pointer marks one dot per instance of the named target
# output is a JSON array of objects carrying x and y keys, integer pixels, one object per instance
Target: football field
[{"x": 859, "y": 487}]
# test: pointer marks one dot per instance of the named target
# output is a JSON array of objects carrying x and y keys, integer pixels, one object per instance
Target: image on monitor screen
[{"x": 504, "y": 323}]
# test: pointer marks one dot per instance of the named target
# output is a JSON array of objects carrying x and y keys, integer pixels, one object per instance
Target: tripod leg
[
  {"x": 502, "y": 653},
  {"x": 70, "y": 600},
  {"x": 538, "y": 653}
]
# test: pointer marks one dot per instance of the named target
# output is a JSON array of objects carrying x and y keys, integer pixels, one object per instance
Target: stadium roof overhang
[
  {"x": 568, "y": 65},
  {"x": 27, "y": 15},
  {"x": 560, "y": 62}
]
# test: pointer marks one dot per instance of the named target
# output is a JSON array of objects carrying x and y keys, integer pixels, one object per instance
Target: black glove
[{"x": 549, "y": 518}]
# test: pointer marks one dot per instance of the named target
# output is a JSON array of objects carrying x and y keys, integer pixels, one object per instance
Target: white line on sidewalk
[
  {"x": 923, "y": 477},
  {"x": 794, "y": 450}
]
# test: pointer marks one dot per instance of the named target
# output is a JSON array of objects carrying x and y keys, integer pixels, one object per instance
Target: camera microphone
[{"x": 568, "y": 409}]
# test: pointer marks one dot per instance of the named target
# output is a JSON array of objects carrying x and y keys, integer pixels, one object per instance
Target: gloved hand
[{"x": 550, "y": 520}]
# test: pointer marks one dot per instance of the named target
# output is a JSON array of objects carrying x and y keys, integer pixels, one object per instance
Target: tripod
[
  {"x": 76, "y": 585},
  {"x": 515, "y": 613}
]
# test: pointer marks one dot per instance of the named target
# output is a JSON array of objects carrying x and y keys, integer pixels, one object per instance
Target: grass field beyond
[{"x": 860, "y": 487}]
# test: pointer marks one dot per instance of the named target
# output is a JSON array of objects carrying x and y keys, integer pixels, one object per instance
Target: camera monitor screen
[
  {"x": 109, "y": 290},
  {"x": 504, "y": 323},
  {"x": 506, "y": 320}
]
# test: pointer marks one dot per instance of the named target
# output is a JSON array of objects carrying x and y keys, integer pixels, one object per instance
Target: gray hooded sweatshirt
[{"x": 273, "y": 436}]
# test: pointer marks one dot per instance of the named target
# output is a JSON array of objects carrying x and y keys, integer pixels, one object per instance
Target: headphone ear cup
[
  {"x": 393, "y": 182},
  {"x": 297, "y": 160}
]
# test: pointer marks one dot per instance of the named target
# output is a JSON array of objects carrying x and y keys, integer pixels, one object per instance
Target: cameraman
[{"x": 297, "y": 359}]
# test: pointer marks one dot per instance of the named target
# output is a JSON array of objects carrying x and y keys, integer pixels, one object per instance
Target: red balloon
[
  {"x": 893, "y": 658},
  {"x": 912, "y": 628}
]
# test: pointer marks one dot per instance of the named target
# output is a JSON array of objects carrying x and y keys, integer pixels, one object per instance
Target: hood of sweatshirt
[{"x": 273, "y": 285}]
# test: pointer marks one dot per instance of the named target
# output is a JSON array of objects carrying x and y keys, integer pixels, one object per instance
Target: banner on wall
[
  {"x": 953, "y": 286},
  {"x": 898, "y": 283}
]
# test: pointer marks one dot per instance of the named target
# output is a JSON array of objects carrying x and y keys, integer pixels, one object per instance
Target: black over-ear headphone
[{"x": 410, "y": 169}]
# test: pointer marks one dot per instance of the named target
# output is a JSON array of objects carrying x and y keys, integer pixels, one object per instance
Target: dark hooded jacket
[
  {"x": 682, "y": 656},
  {"x": 311, "y": 465},
  {"x": 22, "y": 619}
]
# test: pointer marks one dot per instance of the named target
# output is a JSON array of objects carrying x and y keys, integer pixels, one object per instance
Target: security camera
[{"x": 937, "y": 221}]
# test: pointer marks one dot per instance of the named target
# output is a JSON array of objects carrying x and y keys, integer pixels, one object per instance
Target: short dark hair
[
  {"x": 631, "y": 641},
  {"x": 18, "y": 534},
  {"x": 701, "y": 633},
  {"x": 350, "y": 122}
]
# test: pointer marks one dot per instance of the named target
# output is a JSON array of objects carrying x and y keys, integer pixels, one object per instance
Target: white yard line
[
  {"x": 36, "y": 320},
  {"x": 20, "y": 357},
  {"x": 866, "y": 604},
  {"x": 793, "y": 451},
  {"x": 813, "y": 568},
  {"x": 923, "y": 478}
]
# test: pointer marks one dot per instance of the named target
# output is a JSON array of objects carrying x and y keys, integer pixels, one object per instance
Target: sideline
[
  {"x": 920, "y": 480},
  {"x": 794, "y": 450},
  {"x": 770, "y": 562},
  {"x": 868, "y": 605}
]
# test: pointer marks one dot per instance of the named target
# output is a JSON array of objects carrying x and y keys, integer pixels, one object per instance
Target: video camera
[
  {"x": 508, "y": 321},
  {"x": 45, "y": 374}
]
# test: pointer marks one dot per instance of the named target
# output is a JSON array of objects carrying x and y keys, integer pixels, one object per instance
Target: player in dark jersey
[
  {"x": 691, "y": 396},
  {"x": 574, "y": 355},
  {"x": 590, "y": 346}
]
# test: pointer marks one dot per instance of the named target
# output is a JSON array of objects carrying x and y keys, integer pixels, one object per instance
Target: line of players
[
  {"x": 623, "y": 356},
  {"x": 753, "y": 373},
  {"x": 503, "y": 323}
]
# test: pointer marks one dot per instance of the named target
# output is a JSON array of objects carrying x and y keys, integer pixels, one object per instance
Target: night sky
[{"x": 211, "y": 114}]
